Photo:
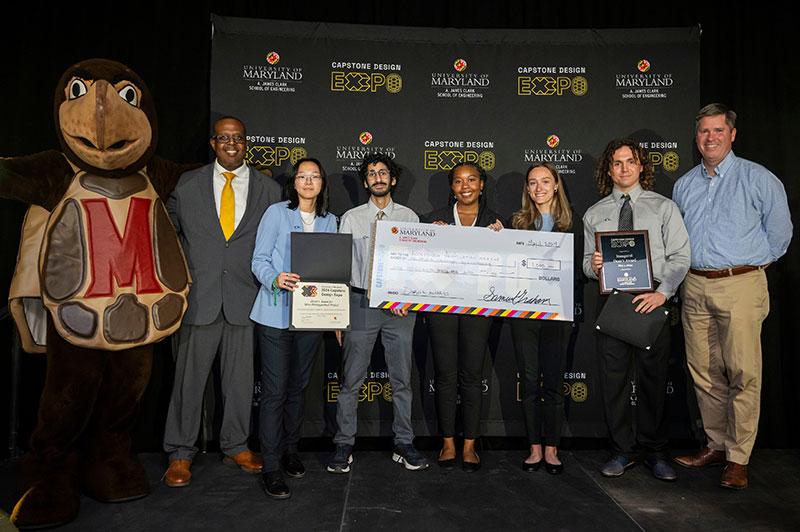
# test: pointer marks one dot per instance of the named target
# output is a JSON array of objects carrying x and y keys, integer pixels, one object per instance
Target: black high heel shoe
[{"x": 530, "y": 467}]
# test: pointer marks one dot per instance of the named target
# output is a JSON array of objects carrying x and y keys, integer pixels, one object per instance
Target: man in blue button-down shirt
[{"x": 738, "y": 221}]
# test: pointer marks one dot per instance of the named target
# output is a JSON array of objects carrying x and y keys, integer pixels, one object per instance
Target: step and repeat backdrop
[{"x": 431, "y": 98}]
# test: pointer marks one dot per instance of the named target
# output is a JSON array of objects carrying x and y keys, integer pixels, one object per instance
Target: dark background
[{"x": 746, "y": 61}]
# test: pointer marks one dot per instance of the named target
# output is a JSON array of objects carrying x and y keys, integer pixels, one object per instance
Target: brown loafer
[
  {"x": 178, "y": 473},
  {"x": 246, "y": 461},
  {"x": 705, "y": 457},
  {"x": 734, "y": 476}
]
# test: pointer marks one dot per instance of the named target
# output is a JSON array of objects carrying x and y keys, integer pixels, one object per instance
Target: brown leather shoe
[
  {"x": 706, "y": 457},
  {"x": 734, "y": 476},
  {"x": 178, "y": 474},
  {"x": 246, "y": 461}
]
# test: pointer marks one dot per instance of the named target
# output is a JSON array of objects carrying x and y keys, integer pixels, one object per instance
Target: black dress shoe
[
  {"x": 274, "y": 485},
  {"x": 292, "y": 466},
  {"x": 553, "y": 469},
  {"x": 530, "y": 467}
]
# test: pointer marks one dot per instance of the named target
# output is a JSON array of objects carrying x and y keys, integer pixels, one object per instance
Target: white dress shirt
[{"x": 358, "y": 222}]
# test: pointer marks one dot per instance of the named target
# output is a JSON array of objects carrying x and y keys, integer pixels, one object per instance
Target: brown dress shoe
[
  {"x": 734, "y": 476},
  {"x": 706, "y": 457},
  {"x": 178, "y": 474},
  {"x": 246, "y": 461}
]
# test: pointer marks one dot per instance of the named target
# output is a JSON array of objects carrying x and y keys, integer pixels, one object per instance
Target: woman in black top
[
  {"x": 458, "y": 341},
  {"x": 545, "y": 207}
]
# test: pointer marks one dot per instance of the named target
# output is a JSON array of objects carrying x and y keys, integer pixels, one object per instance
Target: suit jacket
[
  {"x": 273, "y": 255},
  {"x": 486, "y": 216},
  {"x": 221, "y": 276}
]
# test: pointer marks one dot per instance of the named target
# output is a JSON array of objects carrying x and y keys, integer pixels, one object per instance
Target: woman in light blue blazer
[{"x": 287, "y": 356}]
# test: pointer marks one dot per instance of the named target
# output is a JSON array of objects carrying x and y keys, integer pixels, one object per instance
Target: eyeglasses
[
  {"x": 382, "y": 173},
  {"x": 308, "y": 177},
  {"x": 224, "y": 139}
]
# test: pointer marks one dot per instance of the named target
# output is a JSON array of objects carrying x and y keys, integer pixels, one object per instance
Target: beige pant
[{"x": 722, "y": 326}]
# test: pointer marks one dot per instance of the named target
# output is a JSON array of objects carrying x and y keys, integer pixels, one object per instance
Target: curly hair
[
  {"x": 476, "y": 166},
  {"x": 529, "y": 217},
  {"x": 602, "y": 173},
  {"x": 375, "y": 158}
]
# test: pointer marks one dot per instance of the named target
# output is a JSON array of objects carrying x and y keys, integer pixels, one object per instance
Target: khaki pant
[{"x": 722, "y": 326}]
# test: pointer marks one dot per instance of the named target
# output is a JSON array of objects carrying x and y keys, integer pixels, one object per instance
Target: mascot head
[{"x": 105, "y": 118}]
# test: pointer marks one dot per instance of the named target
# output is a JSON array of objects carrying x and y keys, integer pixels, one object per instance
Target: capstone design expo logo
[
  {"x": 310, "y": 291},
  {"x": 270, "y": 77},
  {"x": 574, "y": 387},
  {"x": 274, "y": 150},
  {"x": 445, "y": 154},
  {"x": 366, "y": 77},
  {"x": 662, "y": 154},
  {"x": 376, "y": 387},
  {"x": 552, "y": 80}
]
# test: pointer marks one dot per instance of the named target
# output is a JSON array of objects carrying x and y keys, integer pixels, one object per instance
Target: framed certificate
[
  {"x": 626, "y": 261},
  {"x": 321, "y": 301},
  {"x": 320, "y": 307}
]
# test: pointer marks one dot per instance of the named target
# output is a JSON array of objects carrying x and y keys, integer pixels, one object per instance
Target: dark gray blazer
[{"x": 220, "y": 270}]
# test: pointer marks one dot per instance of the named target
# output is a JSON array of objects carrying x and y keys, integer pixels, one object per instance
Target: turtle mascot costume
[{"x": 100, "y": 276}]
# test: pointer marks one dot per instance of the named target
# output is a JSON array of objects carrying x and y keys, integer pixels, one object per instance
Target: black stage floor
[{"x": 380, "y": 495}]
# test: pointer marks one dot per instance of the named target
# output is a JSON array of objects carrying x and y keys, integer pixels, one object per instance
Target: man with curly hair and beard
[
  {"x": 624, "y": 177},
  {"x": 379, "y": 176}
]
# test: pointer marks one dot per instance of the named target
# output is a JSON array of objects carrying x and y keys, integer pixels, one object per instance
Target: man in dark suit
[{"x": 216, "y": 210}]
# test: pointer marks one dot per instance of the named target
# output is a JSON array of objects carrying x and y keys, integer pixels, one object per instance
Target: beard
[{"x": 380, "y": 193}]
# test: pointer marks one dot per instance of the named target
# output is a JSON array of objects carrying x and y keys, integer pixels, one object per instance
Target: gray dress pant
[
  {"x": 194, "y": 349},
  {"x": 396, "y": 335}
]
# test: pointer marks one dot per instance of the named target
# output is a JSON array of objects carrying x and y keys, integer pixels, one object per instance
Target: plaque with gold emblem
[{"x": 626, "y": 261}]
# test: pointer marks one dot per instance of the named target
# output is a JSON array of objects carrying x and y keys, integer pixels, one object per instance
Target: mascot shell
[{"x": 111, "y": 270}]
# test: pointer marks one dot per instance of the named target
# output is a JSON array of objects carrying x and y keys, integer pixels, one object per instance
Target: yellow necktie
[{"x": 227, "y": 206}]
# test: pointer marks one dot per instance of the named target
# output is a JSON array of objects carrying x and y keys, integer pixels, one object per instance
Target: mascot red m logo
[{"x": 121, "y": 257}]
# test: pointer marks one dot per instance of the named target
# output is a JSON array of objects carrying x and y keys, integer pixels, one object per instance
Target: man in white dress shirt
[
  {"x": 216, "y": 210},
  {"x": 379, "y": 174}
]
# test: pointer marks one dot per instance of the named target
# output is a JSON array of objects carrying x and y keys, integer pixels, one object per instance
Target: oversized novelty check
[{"x": 472, "y": 270}]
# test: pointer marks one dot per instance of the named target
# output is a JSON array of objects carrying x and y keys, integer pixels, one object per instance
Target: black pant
[
  {"x": 459, "y": 350},
  {"x": 640, "y": 428},
  {"x": 287, "y": 358},
  {"x": 542, "y": 405}
]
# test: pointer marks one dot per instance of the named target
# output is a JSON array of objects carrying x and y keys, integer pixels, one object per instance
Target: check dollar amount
[{"x": 472, "y": 270}]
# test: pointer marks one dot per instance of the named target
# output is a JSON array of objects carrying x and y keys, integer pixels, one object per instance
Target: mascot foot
[
  {"x": 116, "y": 479},
  {"x": 50, "y": 502}
]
